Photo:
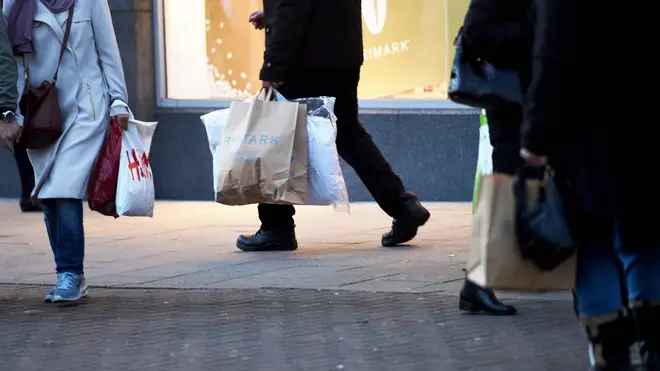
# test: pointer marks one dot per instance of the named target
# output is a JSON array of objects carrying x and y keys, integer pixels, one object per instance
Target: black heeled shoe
[{"x": 475, "y": 299}]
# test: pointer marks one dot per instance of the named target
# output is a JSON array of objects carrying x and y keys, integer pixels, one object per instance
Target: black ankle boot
[
  {"x": 647, "y": 317},
  {"x": 475, "y": 299},
  {"x": 404, "y": 226},
  {"x": 610, "y": 338},
  {"x": 263, "y": 240}
]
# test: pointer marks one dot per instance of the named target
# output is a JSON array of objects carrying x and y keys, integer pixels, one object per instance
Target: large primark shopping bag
[{"x": 257, "y": 160}]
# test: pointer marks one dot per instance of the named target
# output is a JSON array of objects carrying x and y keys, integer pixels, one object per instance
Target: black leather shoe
[
  {"x": 268, "y": 241},
  {"x": 647, "y": 317},
  {"x": 475, "y": 299},
  {"x": 610, "y": 339},
  {"x": 404, "y": 227},
  {"x": 27, "y": 206}
]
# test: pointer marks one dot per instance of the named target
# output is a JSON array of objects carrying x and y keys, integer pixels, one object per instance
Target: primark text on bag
[{"x": 258, "y": 159}]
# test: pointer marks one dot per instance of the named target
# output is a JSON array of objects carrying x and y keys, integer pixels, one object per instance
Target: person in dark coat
[
  {"x": 314, "y": 48},
  {"x": 500, "y": 32},
  {"x": 10, "y": 129},
  {"x": 8, "y": 104},
  {"x": 600, "y": 147}
]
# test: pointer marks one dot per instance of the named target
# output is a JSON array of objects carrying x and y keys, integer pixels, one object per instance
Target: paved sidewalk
[{"x": 174, "y": 293}]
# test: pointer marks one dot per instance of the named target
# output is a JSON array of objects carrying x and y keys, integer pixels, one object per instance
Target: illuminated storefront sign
[{"x": 212, "y": 52}]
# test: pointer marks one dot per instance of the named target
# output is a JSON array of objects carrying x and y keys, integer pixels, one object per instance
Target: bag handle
[
  {"x": 67, "y": 33},
  {"x": 520, "y": 186},
  {"x": 65, "y": 41},
  {"x": 265, "y": 94}
]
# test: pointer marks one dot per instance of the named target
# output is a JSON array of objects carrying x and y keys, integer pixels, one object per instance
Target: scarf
[{"x": 19, "y": 22}]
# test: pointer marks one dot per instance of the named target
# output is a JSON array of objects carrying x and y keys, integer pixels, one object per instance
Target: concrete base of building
[{"x": 435, "y": 153}]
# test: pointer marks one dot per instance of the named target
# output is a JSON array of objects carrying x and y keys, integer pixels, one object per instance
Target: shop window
[{"x": 212, "y": 52}]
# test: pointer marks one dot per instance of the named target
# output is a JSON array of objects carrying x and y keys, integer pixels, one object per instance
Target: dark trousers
[
  {"x": 25, "y": 170},
  {"x": 504, "y": 128},
  {"x": 354, "y": 144}
]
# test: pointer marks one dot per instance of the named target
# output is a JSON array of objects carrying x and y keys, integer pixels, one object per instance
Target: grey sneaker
[{"x": 69, "y": 287}]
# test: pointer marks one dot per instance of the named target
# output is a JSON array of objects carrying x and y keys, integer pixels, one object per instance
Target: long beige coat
[{"x": 91, "y": 88}]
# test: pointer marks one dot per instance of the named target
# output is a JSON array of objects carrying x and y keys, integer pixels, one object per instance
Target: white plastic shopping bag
[
  {"x": 215, "y": 123},
  {"x": 135, "y": 185},
  {"x": 326, "y": 185}
]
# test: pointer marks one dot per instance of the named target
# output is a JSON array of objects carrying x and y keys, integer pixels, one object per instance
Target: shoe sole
[
  {"x": 420, "y": 223},
  {"x": 269, "y": 247},
  {"x": 59, "y": 299},
  {"x": 470, "y": 307}
]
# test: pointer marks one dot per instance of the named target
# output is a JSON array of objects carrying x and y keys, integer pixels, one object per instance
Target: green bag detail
[{"x": 485, "y": 159}]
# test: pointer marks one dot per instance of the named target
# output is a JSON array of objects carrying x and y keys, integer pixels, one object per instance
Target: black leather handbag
[
  {"x": 477, "y": 83},
  {"x": 541, "y": 228}
]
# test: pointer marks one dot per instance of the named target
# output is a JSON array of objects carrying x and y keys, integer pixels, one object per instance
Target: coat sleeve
[
  {"x": 499, "y": 42},
  {"x": 288, "y": 23},
  {"x": 9, "y": 75},
  {"x": 109, "y": 58},
  {"x": 554, "y": 60}
]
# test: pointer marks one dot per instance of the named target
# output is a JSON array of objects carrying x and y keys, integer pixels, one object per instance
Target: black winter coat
[
  {"x": 311, "y": 34},
  {"x": 500, "y": 32},
  {"x": 591, "y": 78}
]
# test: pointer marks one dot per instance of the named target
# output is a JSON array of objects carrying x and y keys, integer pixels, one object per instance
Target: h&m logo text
[
  {"x": 140, "y": 165},
  {"x": 254, "y": 139}
]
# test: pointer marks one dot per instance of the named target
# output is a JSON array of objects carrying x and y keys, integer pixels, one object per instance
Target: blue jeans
[
  {"x": 64, "y": 224},
  {"x": 599, "y": 279}
]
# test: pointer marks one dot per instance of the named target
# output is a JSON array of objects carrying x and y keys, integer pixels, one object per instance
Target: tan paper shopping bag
[
  {"x": 296, "y": 192},
  {"x": 494, "y": 260},
  {"x": 257, "y": 152},
  {"x": 297, "y": 189}
]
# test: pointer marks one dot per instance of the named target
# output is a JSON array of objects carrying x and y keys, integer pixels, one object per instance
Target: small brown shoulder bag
[{"x": 40, "y": 106}]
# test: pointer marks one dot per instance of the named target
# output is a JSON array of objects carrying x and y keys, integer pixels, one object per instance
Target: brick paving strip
[
  {"x": 173, "y": 293},
  {"x": 279, "y": 329}
]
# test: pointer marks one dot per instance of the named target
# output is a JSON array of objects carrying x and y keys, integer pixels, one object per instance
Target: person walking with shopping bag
[
  {"x": 66, "y": 51},
  {"x": 600, "y": 149},
  {"x": 499, "y": 32},
  {"x": 313, "y": 49}
]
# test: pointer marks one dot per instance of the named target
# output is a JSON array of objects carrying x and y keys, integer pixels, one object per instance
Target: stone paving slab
[
  {"x": 192, "y": 245},
  {"x": 278, "y": 330},
  {"x": 174, "y": 293}
]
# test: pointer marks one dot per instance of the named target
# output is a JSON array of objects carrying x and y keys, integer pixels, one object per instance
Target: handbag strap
[
  {"x": 65, "y": 41},
  {"x": 67, "y": 33}
]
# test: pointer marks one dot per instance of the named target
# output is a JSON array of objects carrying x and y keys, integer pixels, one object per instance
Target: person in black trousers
[
  {"x": 500, "y": 32},
  {"x": 26, "y": 175},
  {"x": 9, "y": 125},
  {"x": 314, "y": 48}
]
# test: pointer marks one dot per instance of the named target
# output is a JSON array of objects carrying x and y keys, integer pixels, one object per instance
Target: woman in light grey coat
[{"x": 91, "y": 88}]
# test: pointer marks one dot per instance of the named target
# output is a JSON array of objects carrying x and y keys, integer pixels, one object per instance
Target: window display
[{"x": 212, "y": 52}]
